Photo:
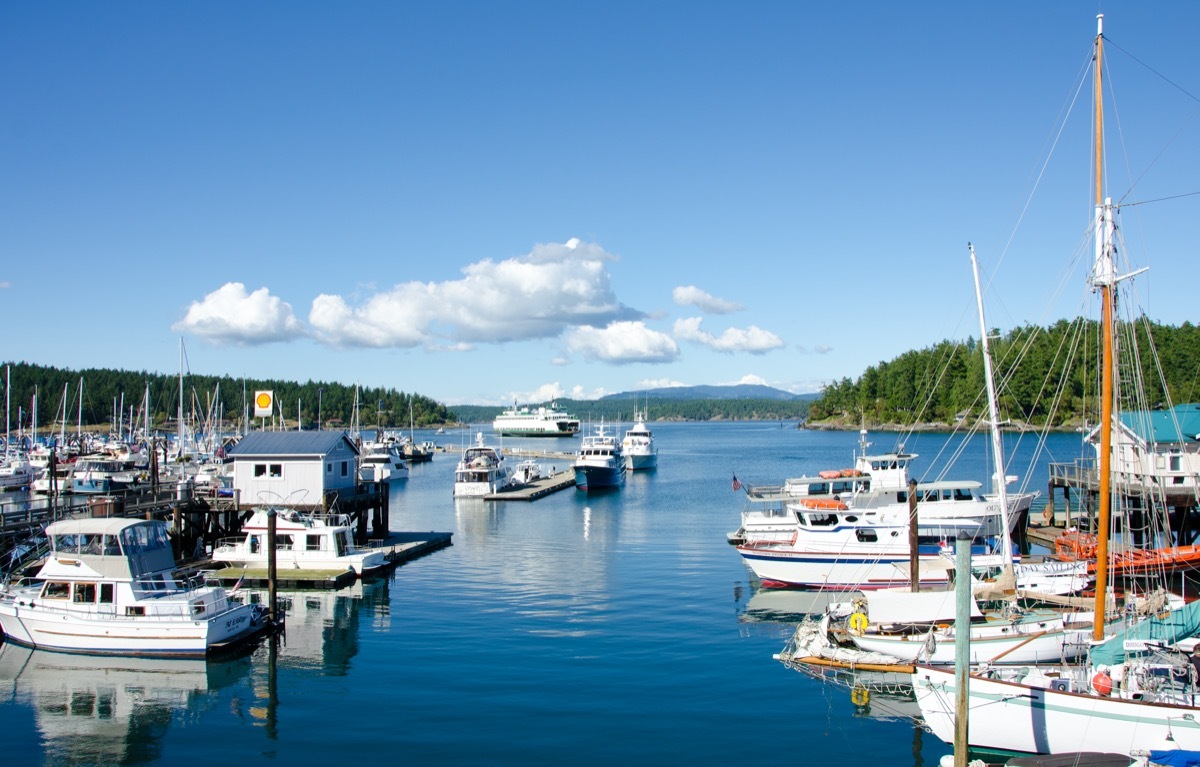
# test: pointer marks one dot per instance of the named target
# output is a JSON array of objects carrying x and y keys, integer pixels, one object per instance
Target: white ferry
[{"x": 541, "y": 422}]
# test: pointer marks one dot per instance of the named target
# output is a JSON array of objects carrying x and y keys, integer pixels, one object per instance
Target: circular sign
[{"x": 263, "y": 400}]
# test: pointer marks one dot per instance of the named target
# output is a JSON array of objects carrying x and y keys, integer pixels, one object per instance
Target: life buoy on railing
[
  {"x": 858, "y": 624},
  {"x": 831, "y": 504}
]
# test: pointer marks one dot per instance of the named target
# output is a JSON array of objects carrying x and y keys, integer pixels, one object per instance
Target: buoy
[
  {"x": 858, "y": 623},
  {"x": 1102, "y": 683},
  {"x": 860, "y": 696}
]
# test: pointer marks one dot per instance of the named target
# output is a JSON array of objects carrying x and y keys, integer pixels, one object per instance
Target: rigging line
[
  {"x": 1157, "y": 199},
  {"x": 1154, "y": 71}
]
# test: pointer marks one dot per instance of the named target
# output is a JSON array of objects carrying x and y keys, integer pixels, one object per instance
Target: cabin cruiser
[
  {"x": 382, "y": 462},
  {"x": 481, "y": 471},
  {"x": 638, "y": 445},
  {"x": 302, "y": 542},
  {"x": 600, "y": 461},
  {"x": 108, "y": 587},
  {"x": 102, "y": 475}
]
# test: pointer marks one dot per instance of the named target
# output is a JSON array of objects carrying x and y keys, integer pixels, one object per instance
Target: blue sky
[{"x": 485, "y": 202}]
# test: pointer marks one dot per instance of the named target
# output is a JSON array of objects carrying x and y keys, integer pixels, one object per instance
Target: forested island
[{"x": 1046, "y": 379}]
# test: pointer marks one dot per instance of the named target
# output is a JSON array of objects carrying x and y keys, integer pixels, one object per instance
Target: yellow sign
[{"x": 264, "y": 404}]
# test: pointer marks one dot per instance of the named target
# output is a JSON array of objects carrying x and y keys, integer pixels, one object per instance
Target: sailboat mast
[
  {"x": 1103, "y": 280},
  {"x": 999, "y": 484}
]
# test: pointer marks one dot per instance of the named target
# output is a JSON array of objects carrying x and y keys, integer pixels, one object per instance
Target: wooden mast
[{"x": 1103, "y": 280}]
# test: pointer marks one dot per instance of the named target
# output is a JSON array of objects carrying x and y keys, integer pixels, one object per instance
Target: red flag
[{"x": 736, "y": 485}]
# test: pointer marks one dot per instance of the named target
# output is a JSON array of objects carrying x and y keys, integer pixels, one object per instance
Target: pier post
[
  {"x": 914, "y": 562},
  {"x": 272, "y": 572}
]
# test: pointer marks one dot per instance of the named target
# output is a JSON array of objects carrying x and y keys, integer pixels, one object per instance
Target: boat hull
[
  {"x": 641, "y": 461},
  {"x": 1007, "y": 716},
  {"x": 841, "y": 571},
  {"x": 594, "y": 477},
  {"x": 155, "y": 637}
]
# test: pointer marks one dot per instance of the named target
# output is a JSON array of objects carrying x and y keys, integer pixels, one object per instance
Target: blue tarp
[{"x": 1176, "y": 758}]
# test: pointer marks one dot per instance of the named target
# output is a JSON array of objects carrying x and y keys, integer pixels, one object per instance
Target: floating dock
[
  {"x": 536, "y": 489},
  {"x": 398, "y": 548}
]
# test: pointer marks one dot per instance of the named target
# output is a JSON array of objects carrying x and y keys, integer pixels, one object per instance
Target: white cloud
[
  {"x": 555, "y": 287},
  {"x": 752, "y": 379},
  {"x": 5, "y": 284},
  {"x": 753, "y": 339},
  {"x": 818, "y": 349},
  {"x": 622, "y": 342},
  {"x": 690, "y": 295},
  {"x": 230, "y": 315}
]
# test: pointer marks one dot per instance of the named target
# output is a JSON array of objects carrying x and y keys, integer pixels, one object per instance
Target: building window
[
  {"x": 276, "y": 470},
  {"x": 329, "y": 468},
  {"x": 345, "y": 470},
  {"x": 260, "y": 470}
]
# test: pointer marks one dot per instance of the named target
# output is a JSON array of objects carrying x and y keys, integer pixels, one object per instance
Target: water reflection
[
  {"x": 322, "y": 628},
  {"x": 105, "y": 710}
]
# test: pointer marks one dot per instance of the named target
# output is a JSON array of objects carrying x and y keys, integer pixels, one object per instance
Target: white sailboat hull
[{"x": 1007, "y": 716}]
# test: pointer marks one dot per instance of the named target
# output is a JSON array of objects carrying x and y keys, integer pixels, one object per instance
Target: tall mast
[
  {"x": 999, "y": 484},
  {"x": 1104, "y": 281}
]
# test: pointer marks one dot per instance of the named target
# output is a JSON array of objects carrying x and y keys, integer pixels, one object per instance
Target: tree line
[
  {"x": 1046, "y": 377},
  {"x": 99, "y": 396},
  {"x": 659, "y": 409}
]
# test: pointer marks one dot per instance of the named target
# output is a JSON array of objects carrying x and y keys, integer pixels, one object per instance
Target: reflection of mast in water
[{"x": 109, "y": 710}]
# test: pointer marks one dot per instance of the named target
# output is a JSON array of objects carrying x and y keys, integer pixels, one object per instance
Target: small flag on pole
[
  {"x": 736, "y": 484},
  {"x": 237, "y": 586}
]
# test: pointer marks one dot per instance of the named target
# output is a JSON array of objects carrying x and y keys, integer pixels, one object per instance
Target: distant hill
[{"x": 737, "y": 391}]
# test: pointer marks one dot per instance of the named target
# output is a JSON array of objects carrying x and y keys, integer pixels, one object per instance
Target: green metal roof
[{"x": 1179, "y": 425}]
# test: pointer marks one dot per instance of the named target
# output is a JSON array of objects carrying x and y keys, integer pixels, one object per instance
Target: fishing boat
[
  {"x": 481, "y": 471},
  {"x": 600, "y": 462},
  {"x": 302, "y": 542},
  {"x": 545, "y": 421},
  {"x": 108, "y": 587},
  {"x": 1136, "y": 691},
  {"x": 638, "y": 445}
]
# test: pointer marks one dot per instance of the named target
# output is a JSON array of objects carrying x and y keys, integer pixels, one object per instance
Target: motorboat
[
  {"x": 108, "y": 587},
  {"x": 546, "y": 421},
  {"x": 638, "y": 445},
  {"x": 302, "y": 542},
  {"x": 527, "y": 472},
  {"x": 481, "y": 471},
  {"x": 15, "y": 472},
  {"x": 102, "y": 475},
  {"x": 381, "y": 461},
  {"x": 600, "y": 461}
]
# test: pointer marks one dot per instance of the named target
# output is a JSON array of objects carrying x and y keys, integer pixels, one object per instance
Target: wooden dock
[{"x": 536, "y": 489}]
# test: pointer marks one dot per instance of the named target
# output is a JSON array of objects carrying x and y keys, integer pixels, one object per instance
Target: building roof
[
  {"x": 1178, "y": 425},
  {"x": 289, "y": 443}
]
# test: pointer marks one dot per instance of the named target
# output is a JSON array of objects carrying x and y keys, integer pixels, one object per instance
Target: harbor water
[{"x": 603, "y": 628}]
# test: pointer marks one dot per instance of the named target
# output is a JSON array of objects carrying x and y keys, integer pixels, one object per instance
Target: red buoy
[{"x": 1102, "y": 683}]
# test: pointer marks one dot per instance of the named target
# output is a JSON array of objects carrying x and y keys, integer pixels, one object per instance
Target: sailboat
[{"x": 1135, "y": 692}]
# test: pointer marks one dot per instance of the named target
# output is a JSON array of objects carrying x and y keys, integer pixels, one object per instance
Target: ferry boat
[
  {"x": 600, "y": 462},
  {"x": 481, "y": 471},
  {"x": 108, "y": 588},
  {"x": 542, "y": 422},
  {"x": 302, "y": 541}
]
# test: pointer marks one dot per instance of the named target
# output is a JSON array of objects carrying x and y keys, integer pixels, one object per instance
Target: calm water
[{"x": 603, "y": 628}]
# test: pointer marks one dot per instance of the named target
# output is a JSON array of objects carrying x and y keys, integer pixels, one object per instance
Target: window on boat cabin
[
  {"x": 134, "y": 611},
  {"x": 866, "y": 535},
  {"x": 106, "y": 593},
  {"x": 312, "y": 543},
  {"x": 255, "y": 544},
  {"x": 285, "y": 542},
  {"x": 822, "y": 520},
  {"x": 85, "y": 593},
  {"x": 963, "y": 494},
  {"x": 929, "y": 496},
  {"x": 902, "y": 496},
  {"x": 56, "y": 590}
]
